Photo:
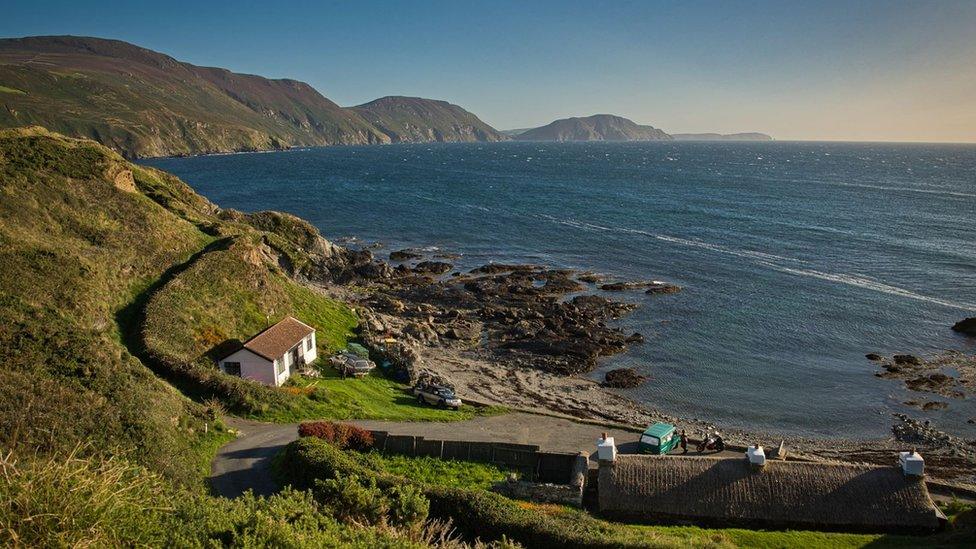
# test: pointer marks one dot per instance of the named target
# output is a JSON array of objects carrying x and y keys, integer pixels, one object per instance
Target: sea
[{"x": 795, "y": 259}]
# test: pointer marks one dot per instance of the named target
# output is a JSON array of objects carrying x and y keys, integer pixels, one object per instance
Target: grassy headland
[{"x": 108, "y": 314}]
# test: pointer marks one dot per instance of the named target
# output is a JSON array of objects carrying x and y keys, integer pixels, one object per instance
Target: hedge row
[
  {"x": 343, "y": 435},
  {"x": 475, "y": 513}
]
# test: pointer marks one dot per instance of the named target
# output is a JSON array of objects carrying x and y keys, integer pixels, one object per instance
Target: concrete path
[{"x": 246, "y": 462}]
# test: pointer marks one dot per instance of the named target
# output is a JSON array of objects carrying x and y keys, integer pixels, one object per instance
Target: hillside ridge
[
  {"x": 598, "y": 127},
  {"x": 143, "y": 103}
]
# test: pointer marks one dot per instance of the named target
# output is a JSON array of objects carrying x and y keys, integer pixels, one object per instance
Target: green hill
[
  {"x": 599, "y": 127},
  {"x": 143, "y": 103},
  {"x": 414, "y": 119}
]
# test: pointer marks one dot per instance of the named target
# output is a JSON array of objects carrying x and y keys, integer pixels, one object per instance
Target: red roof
[{"x": 276, "y": 340}]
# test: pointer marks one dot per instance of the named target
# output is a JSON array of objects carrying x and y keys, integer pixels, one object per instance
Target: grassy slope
[
  {"x": 98, "y": 451},
  {"x": 98, "y": 502},
  {"x": 146, "y": 103},
  {"x": 69, "y": 262}
]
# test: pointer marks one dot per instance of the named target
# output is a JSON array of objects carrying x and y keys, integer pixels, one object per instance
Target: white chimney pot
[
  {"x": 912, "y": 463},
  {"x": 756, "y": 455},
  {"x": 606, "y": 450}
]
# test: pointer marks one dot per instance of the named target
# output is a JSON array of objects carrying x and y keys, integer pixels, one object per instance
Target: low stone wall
[
  {"x": 563, "y": 494},
  {"x": 561, "y": 476}
]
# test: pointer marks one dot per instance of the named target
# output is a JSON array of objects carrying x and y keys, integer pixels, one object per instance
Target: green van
[{"x": 659, "y": 438}]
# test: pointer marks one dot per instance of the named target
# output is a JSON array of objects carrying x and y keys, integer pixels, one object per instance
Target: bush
[
  {"x": 408, "y": 506},
  {"x": 343, "y": 435},
  {"x": 352, "y": 499},
  {"x": 359, "y": 500}
]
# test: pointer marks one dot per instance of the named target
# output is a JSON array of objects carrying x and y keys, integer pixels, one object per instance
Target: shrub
[
  {"x": 359, "y": 500},
  {"x": 351, "y": 499},
  {"x": 408, "y": 506},
  {"x": 345, "y": 436}
]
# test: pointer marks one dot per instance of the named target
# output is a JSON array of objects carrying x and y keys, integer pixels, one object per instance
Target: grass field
[
  {"x": 370, "y": 397},
  {"x": 440, "y": 472}
]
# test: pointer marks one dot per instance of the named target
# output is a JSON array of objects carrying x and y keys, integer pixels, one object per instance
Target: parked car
[
  {"x": 349, "y": 364},
  {"x": 437, "y": 395},
  {"x": 659, "y": 438}
]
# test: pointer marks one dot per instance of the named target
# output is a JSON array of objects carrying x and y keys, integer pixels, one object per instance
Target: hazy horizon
[{"x": 836, "y": 71}]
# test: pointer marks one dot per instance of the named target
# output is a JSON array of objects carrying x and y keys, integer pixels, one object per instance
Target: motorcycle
[{"x": 712, "y": 442}]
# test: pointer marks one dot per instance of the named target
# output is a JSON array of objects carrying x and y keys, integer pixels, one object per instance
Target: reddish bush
[{"x": 347, "y": 437}]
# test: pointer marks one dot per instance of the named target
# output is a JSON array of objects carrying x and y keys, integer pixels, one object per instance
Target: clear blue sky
[{"x": 881, "y": 70}]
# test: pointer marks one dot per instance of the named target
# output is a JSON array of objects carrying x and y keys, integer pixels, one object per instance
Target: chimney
[
  {"x": 912, "y": 464},
  {"x": 606, "y": 450},
  {"x": 756, "y": 456}
]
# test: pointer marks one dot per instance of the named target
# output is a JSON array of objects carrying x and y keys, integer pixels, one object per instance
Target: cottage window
[
  {"x": 280, "y": 366},
  {"x": 233, "y": 368},
  {"x": 308, "y": 343}
]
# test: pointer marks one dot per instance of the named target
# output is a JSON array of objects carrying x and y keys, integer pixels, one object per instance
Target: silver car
[
  {"x": 349, "y": 364},
  {"x": 437, "y": 395}
]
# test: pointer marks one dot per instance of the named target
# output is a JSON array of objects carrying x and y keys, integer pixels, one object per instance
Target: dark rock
[
  {"x": 405, "y": 255},
  {"x": 934, "y": 405},
  {"x": 664, "y": 289},
  {"x": 433, "y": 268},
  {"x": 623, "y": 378},
  {"x": 966, "y": 326},
  {"x": 591, "y": 278},
  {"x": 911, "y": 360},
  {"x": 495, "y": 268},
  {"x": 621, "y": 286},
  {"x": 874, "y": 356},
  {"x": 635, "y": 338}
]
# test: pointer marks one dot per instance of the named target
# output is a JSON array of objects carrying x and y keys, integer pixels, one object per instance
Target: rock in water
[
  {"x": 966, "y": 326},
  {"x": 873, "y": 356},
  {"x": 404, "y": 255},
  {"x": 663, "y": 289},
  {"x": 623, "y": 378}
]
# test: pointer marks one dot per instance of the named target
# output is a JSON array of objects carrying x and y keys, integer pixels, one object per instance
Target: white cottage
[{"x": 270, "y": 356}]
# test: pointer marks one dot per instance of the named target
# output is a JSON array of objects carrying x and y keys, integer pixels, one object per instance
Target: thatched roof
[{"x": 782, "y": 494}]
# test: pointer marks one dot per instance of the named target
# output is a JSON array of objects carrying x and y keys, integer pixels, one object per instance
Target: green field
[
  {"x": 371, "y": 397},
  {"x": 440, "y": 472}
]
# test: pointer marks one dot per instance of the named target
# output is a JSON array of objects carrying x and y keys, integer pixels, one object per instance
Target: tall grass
[{"x": 75, "y": 502}]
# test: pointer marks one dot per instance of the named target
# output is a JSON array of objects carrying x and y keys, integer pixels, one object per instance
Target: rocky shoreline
[{"x": 523, "y": 335}]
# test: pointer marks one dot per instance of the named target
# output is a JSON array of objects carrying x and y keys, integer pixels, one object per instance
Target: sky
[{"x": 884, "y": 70}]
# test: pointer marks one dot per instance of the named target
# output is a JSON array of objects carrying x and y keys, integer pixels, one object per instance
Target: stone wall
[{"x": 563, "y": 494}]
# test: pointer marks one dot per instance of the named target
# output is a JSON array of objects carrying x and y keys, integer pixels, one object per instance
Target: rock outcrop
[{"x": 966, "y": 326}]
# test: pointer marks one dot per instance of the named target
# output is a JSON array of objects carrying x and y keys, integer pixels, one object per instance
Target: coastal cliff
[{"x": 143, "y": 104}]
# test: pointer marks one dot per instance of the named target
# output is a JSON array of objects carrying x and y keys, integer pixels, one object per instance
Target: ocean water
[{"x": 795, "y": 259}]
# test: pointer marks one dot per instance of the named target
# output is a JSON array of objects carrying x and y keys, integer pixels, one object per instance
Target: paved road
[{"x": 246, "y": 462}]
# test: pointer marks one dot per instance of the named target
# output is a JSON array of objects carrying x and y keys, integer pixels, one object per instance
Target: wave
[
  {"x": 956, "y": 194},
  {"x": 870, "y": 284},
  {"x": 775, "y": 262}
]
